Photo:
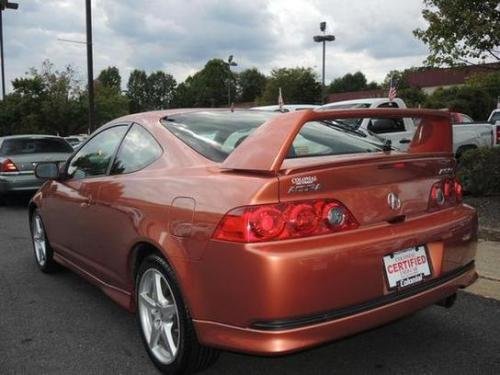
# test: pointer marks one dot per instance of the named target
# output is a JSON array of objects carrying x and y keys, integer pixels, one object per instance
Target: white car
[
  {"x": 400, "y": 131},
  {"x": 286, "y": 107}
]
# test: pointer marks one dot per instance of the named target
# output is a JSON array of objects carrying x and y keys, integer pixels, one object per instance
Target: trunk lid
[
  {"x": 370, "y": 186},
  {"x": 28, "y": 162}
]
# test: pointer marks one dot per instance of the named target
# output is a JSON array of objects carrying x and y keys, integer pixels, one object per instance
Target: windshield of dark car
[
  {"x": 22, "y": 146},
  {"x": 216, "y": 134}
]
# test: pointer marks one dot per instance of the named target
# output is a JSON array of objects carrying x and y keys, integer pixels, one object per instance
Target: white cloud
[{"x": 180, "y": 36}]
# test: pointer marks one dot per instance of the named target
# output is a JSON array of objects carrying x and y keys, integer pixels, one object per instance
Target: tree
[
  {"x": 137, "y": 91},
  {"x": 160, "y": 90},
  {"x": 182, "y": 95},
  {"x": 110, "y": 77},
  {"x": 489, "y": 82},
  {"x": 298, "y": 85},
  {"x": 209, "y": 86},
  {"x": 399, "y": 78},
  {"x": 349, "y": 82},
  {"x": 251, "y": 83},
  {"x": 472, "y": 101},
  {"x": 461, "y": 31}
]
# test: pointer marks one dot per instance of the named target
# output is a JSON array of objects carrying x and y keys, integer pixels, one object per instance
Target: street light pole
[
  {"x": 4, "y": 4},
  {"x": 229, "y": 63},
  {"x": 90, "y": 65},
  {"x": 1, "y": 52},
  {"x": 323, "y": 39}
]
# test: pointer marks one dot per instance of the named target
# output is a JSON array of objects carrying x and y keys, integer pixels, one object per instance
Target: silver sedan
[{"x": 19, "y": 154}]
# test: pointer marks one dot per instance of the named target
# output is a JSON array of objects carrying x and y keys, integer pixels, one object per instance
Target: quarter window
[
  {"x": 94, "y": 157},
  {"x": 138, "y": 150}
]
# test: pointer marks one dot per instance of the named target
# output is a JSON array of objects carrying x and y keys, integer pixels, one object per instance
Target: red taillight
[
  {"x": 8, "y": 166},
  {"x": 281, "y": 221},
  {"x": 445, "y": 193},
  {"x": 498, "y": 135}
]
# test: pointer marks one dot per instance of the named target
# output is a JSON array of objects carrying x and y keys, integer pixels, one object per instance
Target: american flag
[
  {"x": 280, "y": 101},
  {"x": 392, "y": 91}
]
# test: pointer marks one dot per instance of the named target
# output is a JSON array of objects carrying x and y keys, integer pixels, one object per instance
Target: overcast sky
[{"x": 176, "y": 36}]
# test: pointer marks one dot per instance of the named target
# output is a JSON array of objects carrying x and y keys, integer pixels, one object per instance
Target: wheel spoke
[
  {"x": 147, "y": 300},
  {"x": 157, "y": 290},
  {"x": 155, "y": 335},
  {"x": 169, "y": 338}
]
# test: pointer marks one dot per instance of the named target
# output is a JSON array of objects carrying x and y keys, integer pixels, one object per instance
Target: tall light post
[
  {"x": 229, "y": 63},
  {"x": 4, "y": 4},
  {"x": 323, "y": 39},
  {"x": 90, "y": 64}
]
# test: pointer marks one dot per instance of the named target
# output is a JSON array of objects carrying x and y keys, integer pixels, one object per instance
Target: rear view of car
[
  {"x": 20, "y": 154},
  {"x": 258, "y": 232}
]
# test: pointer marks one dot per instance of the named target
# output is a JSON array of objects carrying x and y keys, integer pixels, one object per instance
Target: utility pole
[
  {"x": 4, "y": 4},
  {"x": 229, "y": 63},
  {"x": 90, "y": 65},
  {"x": 323, "y": 39}
]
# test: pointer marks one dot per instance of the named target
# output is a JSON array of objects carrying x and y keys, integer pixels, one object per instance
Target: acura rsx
[{"x": 257, "y": 232}]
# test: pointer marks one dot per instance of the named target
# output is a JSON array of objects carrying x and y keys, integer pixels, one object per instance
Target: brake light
[
  {"x": 281, "y": 221},
  {"x": 445, "y": 193},
  {"x": 498, "y": 134},
  {"x": 8, "y": 166}
]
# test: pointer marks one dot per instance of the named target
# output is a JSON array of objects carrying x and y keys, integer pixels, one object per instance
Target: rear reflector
[
  {"x": 281, "y": 221},
  {"x": 445, "y": 193},
  {"x": 8, "y": 166}
]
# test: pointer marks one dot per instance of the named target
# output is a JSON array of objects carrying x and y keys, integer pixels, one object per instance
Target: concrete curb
[{"x": 489, "y": 234}]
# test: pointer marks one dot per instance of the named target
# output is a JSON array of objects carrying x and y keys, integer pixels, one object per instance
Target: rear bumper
[
  {"x": 342, "y": 323},
  {"x": 24, "y": 181},
  {"x": 282, "y": 296}
]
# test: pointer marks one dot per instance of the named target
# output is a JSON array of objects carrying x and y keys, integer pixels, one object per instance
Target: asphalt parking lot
[{"x": 60, "y": 324}]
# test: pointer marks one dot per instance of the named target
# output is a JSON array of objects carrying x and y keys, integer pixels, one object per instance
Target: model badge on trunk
[{"x": 393, "y": 201}]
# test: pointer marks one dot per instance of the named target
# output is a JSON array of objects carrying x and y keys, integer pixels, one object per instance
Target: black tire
[
  {"x": 48, "y": 265},
  {"x": 191, "y": 356}
]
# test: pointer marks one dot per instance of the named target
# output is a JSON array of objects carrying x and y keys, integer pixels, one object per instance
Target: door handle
[{"x": 405, "y": 141}]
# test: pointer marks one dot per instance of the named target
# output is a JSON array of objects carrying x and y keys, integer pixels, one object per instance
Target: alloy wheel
[
  {"x": 159, "y": 316},
  {"x": 39, "y": 241}
]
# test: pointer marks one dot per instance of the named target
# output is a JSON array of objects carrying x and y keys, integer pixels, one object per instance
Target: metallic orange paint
[{"x": 231, "y": 289}]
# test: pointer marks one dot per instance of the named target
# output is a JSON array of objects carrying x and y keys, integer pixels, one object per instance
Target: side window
[
  {"x": 94, "y": 157},
  {"x": 389, "y": 105},
  {"x": 386, "y": 125},
  {"x": 138, "y": 150}
]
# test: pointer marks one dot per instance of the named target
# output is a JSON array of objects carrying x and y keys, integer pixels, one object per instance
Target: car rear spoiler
[{"x": 266, "y": 148}]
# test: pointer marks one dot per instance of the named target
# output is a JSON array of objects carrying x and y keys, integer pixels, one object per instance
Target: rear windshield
[
  {"x": 216, "y": 134},
  {"x": 22, "y": 146}
]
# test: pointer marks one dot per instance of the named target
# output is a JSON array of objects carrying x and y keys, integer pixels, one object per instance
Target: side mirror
[{"x": 47, "y": 171}]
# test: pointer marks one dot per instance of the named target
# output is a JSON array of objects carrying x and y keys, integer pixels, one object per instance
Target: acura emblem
[{"x": 393, "y": 201}]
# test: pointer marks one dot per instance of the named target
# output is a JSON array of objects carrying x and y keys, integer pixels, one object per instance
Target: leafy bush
[{"x": 479, "y": 171}]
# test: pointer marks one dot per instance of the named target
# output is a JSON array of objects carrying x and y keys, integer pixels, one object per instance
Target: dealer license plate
[{"x": 407, "y": 267}]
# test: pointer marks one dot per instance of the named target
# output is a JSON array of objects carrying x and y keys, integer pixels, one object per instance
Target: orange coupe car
[{"x": 258, "y": 232}]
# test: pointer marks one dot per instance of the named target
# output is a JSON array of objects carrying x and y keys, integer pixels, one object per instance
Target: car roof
[{"x": 33, "y": 136}]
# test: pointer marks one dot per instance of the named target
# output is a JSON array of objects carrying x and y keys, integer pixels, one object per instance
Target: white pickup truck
[{"x": 400, "y": 131}]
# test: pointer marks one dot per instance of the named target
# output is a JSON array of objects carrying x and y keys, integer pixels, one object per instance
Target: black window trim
[
  {"x": 68, "y": 162},
  {"x": 110, "y": 166}
]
